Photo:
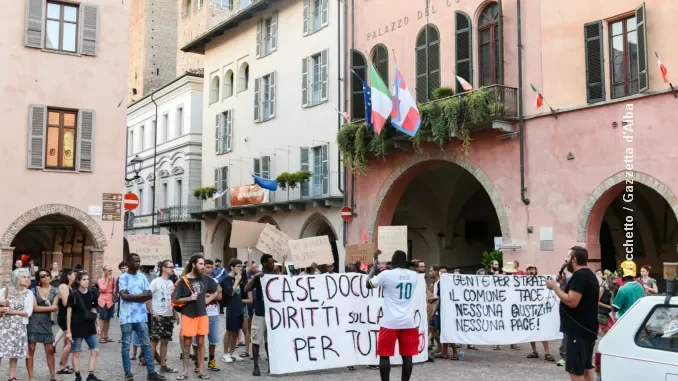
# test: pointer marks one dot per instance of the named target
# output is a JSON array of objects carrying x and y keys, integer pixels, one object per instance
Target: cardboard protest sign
[
  {"x": 245, "y": 234},
  {"x": 361, "y": 252},
  {"x": 390, "y": 239},
  {"x": 497, "y": 309},
  {"x": 274, "y": 242},
  {"x": 330, "y": 321},
  {"x": 152, "y": 248},
  {"x": 307, "y": 251}
]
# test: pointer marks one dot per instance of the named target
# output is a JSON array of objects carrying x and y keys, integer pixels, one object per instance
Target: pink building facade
[
  {"x": 597, "y": 174},
  {"x": 63, "y": 80}
]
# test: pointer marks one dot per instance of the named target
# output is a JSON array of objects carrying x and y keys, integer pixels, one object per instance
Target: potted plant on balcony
[
  {"x": 292, "y": 180},
  {"x": 282, "y": 180},
  {"x": 204, "y": 193}
]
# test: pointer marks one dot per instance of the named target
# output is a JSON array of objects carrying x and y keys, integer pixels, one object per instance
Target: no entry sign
[
  {"x": 346, "y": 213},
  {"x": 131, "y": 201}
]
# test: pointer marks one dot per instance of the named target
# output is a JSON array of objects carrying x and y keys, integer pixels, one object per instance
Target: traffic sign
[
  {"x": 346, "y": 213},
  {"x": 131, "y": 201}
]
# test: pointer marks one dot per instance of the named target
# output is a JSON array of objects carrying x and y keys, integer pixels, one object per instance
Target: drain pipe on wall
[
  {"x": 155, "y": 158},
  {"x": 350, "y": 59},
  {"x": 339, "y": 83},
  {"x": 521, "y": 122}
]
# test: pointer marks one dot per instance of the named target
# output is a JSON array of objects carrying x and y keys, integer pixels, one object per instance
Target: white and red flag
[{"x": 405, "y": 115}]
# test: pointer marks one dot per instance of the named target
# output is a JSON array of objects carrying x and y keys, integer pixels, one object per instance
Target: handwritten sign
[
  {"x": 391, "y": 238},
  {"x": 152, "y": 248},
  {"x": 330, "y": 321},
  {"x": 497, "y": 309},
  {"x": 274, "y": 242},
  {"x": 307, "y": 251},
  {"x": 245, "y": 234},
  {"x": 361, "y": 252}
]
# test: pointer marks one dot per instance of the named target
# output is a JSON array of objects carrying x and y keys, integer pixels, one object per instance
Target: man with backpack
[
  {"x": 134, "y": 293},
  {"x": 192, "y": 293}
]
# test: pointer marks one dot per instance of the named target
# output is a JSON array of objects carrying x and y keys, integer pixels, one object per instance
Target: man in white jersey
[{"x": 398, "y": 322}]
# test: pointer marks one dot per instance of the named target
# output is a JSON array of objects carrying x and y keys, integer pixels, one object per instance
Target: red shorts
[{"x": 408, "y": 342}]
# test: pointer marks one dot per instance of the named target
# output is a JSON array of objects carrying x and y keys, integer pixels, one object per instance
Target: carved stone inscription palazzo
[{"x": 399, "y": 23}]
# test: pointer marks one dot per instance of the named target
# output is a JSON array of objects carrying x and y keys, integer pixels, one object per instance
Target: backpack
[{"x": 178, "y": 306}]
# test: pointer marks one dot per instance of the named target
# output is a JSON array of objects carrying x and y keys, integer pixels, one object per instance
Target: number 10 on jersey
[{"x": 405, "y": 290}]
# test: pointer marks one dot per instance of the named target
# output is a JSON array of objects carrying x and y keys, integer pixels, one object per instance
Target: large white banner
[
  {"x": 329, "y": 321},
  {"x": 497, "y": 310}
]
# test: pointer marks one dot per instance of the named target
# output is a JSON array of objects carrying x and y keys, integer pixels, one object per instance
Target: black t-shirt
[
  {"x": 80, "y": 303},
  {"x": 581, "y": 321},
  {"x": 259, "y": 309},
  {"x": 199, "y": 285},
  {"x": 233, "y": 301}
]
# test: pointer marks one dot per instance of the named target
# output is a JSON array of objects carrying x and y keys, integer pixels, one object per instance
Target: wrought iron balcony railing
[{"x": 177, "y": 214}]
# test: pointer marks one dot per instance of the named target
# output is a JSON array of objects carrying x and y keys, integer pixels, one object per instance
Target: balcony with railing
[
  {"x": 320, "y": 190},
  {"x": 178, "y": 215}
]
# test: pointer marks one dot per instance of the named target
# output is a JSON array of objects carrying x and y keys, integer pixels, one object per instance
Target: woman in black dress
[
  {"x": 67, "y": 279},
  {"x": 40, "y": 322}
]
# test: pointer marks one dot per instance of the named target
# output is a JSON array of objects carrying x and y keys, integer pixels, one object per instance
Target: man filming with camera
[{"x": 578, "y": 314}]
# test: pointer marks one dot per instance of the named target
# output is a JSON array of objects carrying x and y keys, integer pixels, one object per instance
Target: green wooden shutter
[
  {"x": 433, "y": 60},
  {"x": 463, "y": 48},
  {"x": 421, "y": 66},
  {"x": 641, "y": 29},
  {"x": 357, "y": 98},
  {"x": 595, "y": 70}
]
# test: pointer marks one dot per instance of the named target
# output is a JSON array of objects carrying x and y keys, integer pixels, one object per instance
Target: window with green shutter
[
  {"x": 463, "y": 46},
  {"x": 595, "y": 71},
  {"x": 380, "y": 61},
  {"x": 427, "y": 62},
  {"x": 357, "y": 98}
]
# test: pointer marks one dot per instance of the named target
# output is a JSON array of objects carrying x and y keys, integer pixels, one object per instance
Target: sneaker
[
  {"x": 212, "y": 365},
  {"x": 78, "y": 378},
  {"x": 236, "y": 357},
  {"x": 227, "y": 358},
  {"x": 166, "y": 369},
  {"x": 129, "y": 377},
  {"x": 561, "y": 362},
  {"x": 92, "y": 377},
  {"x": 155, "y": 376}
]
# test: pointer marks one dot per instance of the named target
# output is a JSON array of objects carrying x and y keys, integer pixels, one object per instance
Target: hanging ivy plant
[{"x": 440, "y": 121}]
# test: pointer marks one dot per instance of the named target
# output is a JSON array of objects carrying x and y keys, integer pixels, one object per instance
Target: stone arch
[
  {"x": 217, "y": 226},
  {"x": 269, "y": 220},
  {"x": 594, "y": 209},
  {"x": 87, "y": 222},
  {"x": 316, "y": 218},
  {"x": 408, "y": 170}
]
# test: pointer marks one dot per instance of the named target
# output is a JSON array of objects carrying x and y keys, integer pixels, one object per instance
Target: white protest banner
[
  {"x": 152, "y": 248},
  {"x": 245, "y": 234},
  {"x": 274, "y": 242},
  {"x": 330, "y": 321},
  {"x": 497, "y": 309},
  {"x": 390, "y": 239},
  {"x": 307, "y": 251}
]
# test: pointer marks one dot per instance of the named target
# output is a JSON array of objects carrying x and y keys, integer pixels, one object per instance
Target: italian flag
[
  {"x": 382, "y": 101},
  {"x": 540, "y": 99}
]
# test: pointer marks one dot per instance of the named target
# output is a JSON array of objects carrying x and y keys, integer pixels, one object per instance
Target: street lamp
[{"x": 136, "y": 167}]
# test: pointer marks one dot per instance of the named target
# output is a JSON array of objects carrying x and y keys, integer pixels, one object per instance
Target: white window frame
[
  {"x": 178, "y": 191},
  {"x": 179, "y": 121},
  {"x": 165, "y": 128},
  {"x": 315, "y": 17}
]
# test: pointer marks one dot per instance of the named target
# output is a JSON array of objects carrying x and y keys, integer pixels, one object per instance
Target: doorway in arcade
[
  {"x": 653, "y": 231},
  {"x": 450, "y": 218},
  {"x": 53, "y": 238}
]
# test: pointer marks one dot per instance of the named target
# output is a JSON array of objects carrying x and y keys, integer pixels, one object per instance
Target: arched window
[
  {"x": 358, "y": 64},
  {"x": 463, "y": 48},
  {"x": 214, "y": 89},
  {"x": 243, "y": 77},
  {"x": 428, "y": 62},
  {"x": 488, "y": 52},
  {"x": 228, "y": 84},
  {"x": 380, "y": 61}
]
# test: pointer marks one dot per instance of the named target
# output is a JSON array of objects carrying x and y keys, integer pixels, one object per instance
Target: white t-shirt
[
  {"x": 399, "y": 286},
  {"x": 162, "y": 294},
  {"x": 213, "y": 309}
]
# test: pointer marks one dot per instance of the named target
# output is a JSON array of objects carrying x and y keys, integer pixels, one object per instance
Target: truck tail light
[{"x": 597, "y": 362}]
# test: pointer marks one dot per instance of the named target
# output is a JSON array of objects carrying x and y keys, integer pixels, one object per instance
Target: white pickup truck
[{"x": 643, "y": 344}]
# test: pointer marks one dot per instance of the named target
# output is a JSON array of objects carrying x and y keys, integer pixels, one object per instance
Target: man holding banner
[
  {"x": 398, "y": 323},
  {"x": 259, "y": 320}
]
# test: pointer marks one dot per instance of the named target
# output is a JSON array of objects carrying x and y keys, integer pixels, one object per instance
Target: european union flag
[
  {"x": 269, "y": 184},
  {"x": 367, "y": 94}
]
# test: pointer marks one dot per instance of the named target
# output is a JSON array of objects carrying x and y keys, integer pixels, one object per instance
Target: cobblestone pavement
[{"x": 483, "y": 364}]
